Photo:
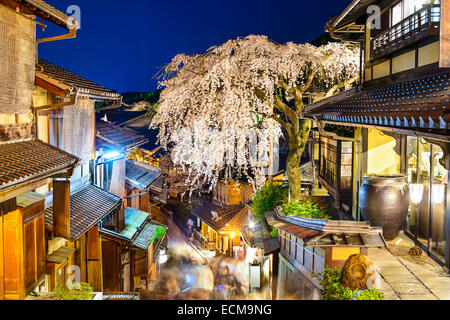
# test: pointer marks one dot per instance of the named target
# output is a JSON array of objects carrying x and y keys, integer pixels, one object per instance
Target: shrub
[
  {"x": 268, "y": 198},
  {"x": 306, "y": 209},
  {"x": 159, "y": 233},
  {"x": 274, "y": 232},
  {"x": 85, "y": 292},
  {"x": 332, "y": 289}
]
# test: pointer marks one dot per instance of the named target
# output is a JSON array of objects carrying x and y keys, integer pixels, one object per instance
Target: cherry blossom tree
[{"x": 221, "y": 110}]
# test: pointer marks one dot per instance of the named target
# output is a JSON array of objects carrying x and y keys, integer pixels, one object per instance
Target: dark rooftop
[
  {"x": 141, "y": 175},
  {"x": 74, "y": 80},
  {"x": 88, "y": 206},
  {"x": 422, "y": 103},
  {"x": 229, "y": 216},
  {"x": 23, "y": 161},
  {"x": 113, "y": 135}
]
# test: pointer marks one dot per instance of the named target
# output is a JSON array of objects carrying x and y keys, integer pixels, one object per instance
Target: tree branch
[
  {"x": 290, "y": 114},
  {"x": 337, "y": 87}
]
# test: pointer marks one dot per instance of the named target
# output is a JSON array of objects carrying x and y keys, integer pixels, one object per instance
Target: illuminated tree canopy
[{"x": 221, "y": 109}]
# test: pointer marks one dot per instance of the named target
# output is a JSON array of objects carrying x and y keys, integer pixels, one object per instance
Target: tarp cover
[{"x": 17, "y": 61}]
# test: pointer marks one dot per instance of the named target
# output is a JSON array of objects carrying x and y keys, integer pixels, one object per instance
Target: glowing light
[
  {"x": 232, "y": 235},
  {"x": 163, "y": 257},
  {"x": 252, "y": 225},
  {"x": 112, "y": 155},
  {"x": 416, "y": 191},
  {"x": 438, "y": 192}
]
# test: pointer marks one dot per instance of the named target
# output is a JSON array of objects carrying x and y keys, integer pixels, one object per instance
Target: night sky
[{"x": 123, "y": 43}]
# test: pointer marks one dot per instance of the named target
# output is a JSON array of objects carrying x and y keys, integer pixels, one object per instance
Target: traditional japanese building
[
  {"x": 28, "y": 164},
  {"x": 396, "y": 121},
  {"x": 133, "y": 244}
]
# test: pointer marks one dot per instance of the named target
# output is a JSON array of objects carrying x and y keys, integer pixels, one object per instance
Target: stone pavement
[{"x": 406, "y": 277}]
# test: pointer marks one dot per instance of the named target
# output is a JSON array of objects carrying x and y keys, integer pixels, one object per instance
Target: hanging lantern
[{"x": 416, "y": 192}]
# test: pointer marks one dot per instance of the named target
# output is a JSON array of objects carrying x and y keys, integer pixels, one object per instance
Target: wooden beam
[
  {"x": 51, "y": 85},
  {"x": 12, "y": 193},
  {"x": 61, "y": 209}
]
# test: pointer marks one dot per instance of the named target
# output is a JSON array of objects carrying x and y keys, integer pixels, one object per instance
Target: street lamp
[{"x": 416, "y": 192}]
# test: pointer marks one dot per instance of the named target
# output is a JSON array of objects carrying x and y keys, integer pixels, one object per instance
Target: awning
[
  {"x": 326, "y": 233},
  {"x": 88, "y": 206},
  {"x": 60, "y": 255},
  {"x": 142, "y": 175},
  {"x": 22, "y": 162},
  {"x": 417, "y": 104}
]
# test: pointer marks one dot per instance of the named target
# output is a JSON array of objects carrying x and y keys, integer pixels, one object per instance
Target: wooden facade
[
  {"x": 22, "y": 257},
  {"x": 400, "y": 111}
]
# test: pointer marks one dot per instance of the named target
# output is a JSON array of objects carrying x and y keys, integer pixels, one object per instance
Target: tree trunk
[
  {"x": 297, "y": 145},
  {"x": 295, "y": 180}
]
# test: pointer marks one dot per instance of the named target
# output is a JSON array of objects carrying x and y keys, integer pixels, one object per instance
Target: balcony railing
[{"x": 416, "y": 27}]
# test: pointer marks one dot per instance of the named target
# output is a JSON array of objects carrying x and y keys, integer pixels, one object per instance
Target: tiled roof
[
  {"x": 146, "y": 236},
  {"x": 226, "y": 215},
  {"x": 23, "y": 161},
  {"x": 141, "y": 175},
  {"x": 300, "y": 232},
  {"x": 416, "y": 104},
  {"x": 134, "y": 220},
  {"x": 326, "y": 233},
  {"x": 117, "y": 136},
  {"x": 158, "y": 185},
  {"x": 70, "y": 78},
  {"x": 88, "y": 206}
]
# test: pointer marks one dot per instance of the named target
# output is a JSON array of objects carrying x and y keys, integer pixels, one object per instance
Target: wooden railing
[{"x": 416, "y": 27}]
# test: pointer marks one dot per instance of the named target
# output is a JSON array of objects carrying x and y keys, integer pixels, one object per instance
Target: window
[
  {"x": 346, "y": 165},
  {"x": 429, "y": 215},
  {"x": 396, "y": 14},
  {"x": 55, "y": 131},
  {"x": 328, "y": 161}
]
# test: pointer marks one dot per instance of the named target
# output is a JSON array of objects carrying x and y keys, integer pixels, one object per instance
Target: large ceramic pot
[{"x": 384, "y": 202}]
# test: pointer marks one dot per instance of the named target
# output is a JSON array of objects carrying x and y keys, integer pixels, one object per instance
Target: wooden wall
[
  {"x": 13, "y": 255},
  {"x": 94, "y": 259},
  {"x": 111, "y": 265}
]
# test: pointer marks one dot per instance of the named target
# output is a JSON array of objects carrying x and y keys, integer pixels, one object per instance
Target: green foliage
[
  {"x": 274, "y": 232},
  {"x": 306, "y": 209},
  {"x": 85, "y": 292},
  {"x": 269, "y": 197},
  {"x": 372, "y": 294},
  {"x": 332, "y": 289},
  {"x": 159, "y": 233}
]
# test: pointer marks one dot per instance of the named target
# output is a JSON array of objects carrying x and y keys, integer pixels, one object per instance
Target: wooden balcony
[{"x": 414, "y": 28}]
